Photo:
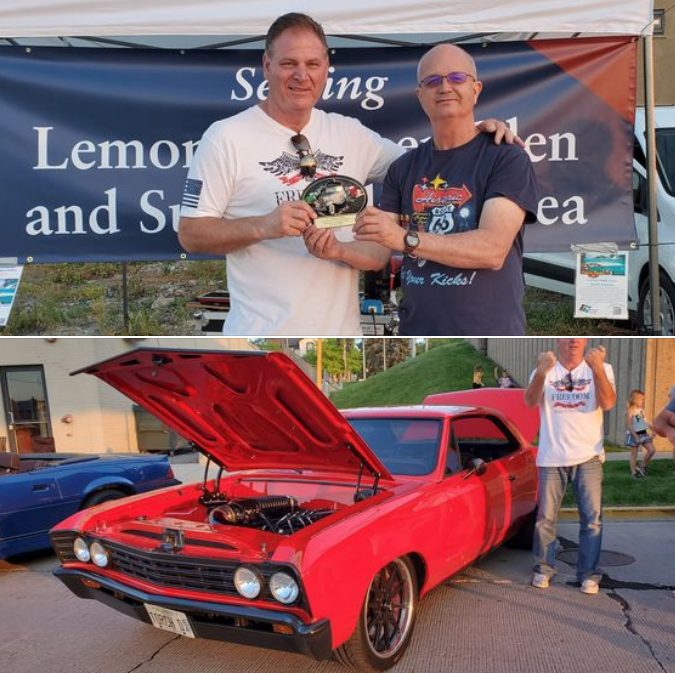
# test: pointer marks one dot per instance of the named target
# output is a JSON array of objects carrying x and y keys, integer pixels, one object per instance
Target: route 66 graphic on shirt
[{"x": 440, "y": 209}]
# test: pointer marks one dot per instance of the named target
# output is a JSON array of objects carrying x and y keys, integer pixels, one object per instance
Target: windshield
[
  {"x": 404, "y": 445},
  {"x": 665, "y": 154}
]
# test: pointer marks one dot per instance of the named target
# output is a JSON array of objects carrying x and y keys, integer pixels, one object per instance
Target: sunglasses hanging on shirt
[{"x": 307, "y": 159}]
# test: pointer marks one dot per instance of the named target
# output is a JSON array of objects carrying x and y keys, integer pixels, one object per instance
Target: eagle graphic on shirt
[{"x": 287, "y": 166}]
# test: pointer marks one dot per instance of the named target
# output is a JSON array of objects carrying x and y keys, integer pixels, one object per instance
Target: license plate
[{"x": 170, "y": 620}]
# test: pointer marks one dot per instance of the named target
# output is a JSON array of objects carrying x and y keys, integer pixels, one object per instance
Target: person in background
[
  {"x": 572, "y": 390},
  {"x": 504, "y": 379},
  {"x": 637, "y": 434},
  {"x": 477, "y": 377}
]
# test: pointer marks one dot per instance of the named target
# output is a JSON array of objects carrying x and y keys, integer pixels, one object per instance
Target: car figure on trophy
[{"x": 336, "y": 199}]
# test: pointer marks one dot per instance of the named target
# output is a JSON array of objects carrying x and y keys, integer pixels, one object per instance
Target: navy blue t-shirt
[{"x": 442, "y": 192}]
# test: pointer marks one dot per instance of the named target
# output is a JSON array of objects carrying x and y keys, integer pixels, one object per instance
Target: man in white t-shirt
[
  {"x": 572, "y": 391},
  {"x": 242, "y": 196}
]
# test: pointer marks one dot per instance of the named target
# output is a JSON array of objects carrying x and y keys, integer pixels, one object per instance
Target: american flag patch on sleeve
[{"x": 193, "y": 188}]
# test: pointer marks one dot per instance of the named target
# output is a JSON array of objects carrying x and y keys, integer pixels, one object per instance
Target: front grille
[
  {"x": 176, "y": 572},
  {"x": 180, "y": 572}
]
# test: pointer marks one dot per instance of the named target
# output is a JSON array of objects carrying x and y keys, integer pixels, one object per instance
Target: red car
[{"x": 323, "y": 529}]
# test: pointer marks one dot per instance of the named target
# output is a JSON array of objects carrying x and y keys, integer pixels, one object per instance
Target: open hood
[
  {"x": 245, "y": 409},
  {"x": 509, "y": 401}
]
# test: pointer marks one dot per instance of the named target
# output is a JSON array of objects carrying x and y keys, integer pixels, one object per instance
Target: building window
[
  {"x": 659, "y": 22},
  {"x": 24, "y": 399}
]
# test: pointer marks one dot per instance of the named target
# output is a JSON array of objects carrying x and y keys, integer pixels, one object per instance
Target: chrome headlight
[
  {"x": 81, "y": 550},
  {"x": 99, "y": 555},
  {"x": 284, "y": 588},
  {"x": 247, "y": 582}
]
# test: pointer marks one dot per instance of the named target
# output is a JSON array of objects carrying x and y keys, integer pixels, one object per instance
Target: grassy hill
[{"x": 444, "y": 367}]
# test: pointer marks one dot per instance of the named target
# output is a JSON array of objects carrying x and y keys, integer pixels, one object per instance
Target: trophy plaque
[{"x": 336, "y": 199}]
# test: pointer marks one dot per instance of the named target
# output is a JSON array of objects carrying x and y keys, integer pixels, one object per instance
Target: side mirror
[{"x": 478, "y": 467}]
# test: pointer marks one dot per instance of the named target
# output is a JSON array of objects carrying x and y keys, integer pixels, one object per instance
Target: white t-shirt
[
  {"x": 245, "y": 166},
  {"x": 571, "y": 429}
]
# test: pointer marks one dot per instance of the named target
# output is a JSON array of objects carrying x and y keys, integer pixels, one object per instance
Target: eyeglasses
[
  {"x": 307, "y": 158},
  {"x": 569, "y": 384},
  {"x": 456, "y": 77}
]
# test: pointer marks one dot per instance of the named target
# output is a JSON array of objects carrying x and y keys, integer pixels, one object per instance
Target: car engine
[{"x": 277, "y": 514}]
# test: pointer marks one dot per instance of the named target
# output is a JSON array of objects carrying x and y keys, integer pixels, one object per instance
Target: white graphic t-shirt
[
  {"x": 571, "y": 430},
  {"x": 245, "y": 166}
]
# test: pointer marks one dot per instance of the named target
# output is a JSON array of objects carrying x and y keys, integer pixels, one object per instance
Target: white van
[{"x": 555, "y": 271}]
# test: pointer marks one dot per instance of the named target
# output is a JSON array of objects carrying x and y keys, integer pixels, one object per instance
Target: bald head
[{"x": 435, "y": 60}]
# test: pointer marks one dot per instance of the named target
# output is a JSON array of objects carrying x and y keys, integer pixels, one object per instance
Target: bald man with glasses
[{"x": 455, "y": 206}]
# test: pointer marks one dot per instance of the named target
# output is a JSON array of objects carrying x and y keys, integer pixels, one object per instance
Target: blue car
[{"x": 38, "y": 490}]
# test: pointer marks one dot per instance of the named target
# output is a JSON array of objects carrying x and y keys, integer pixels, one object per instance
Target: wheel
[
  {"x": 524, "y": 538},
  {"x": 386, "y": 620},
  {"x": 667, "y": 296},
  {"x": 103, "y": 496}
]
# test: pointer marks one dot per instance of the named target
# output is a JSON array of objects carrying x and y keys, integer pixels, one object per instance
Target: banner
[{"x": 95, "y": 143}]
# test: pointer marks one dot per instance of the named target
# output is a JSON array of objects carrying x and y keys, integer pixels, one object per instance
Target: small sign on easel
[
  {"x": 10, "y": 275},
  {"x": 601, "y": 284}
]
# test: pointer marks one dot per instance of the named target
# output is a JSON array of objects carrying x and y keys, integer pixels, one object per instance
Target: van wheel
[
  {"x": 667, "y": 296},
  {"x": 386, "y": 620}
]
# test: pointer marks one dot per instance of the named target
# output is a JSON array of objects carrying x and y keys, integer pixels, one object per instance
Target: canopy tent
[
  {"x": 161, "y": 22},
  {"x": 45, "y": 18}
]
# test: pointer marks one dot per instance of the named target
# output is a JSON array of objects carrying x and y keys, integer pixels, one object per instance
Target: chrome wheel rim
[
  {"x": 389, "y": 609},
  {"x": 667, "y": 312}
]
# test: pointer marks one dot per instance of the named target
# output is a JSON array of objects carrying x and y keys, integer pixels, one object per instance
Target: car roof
[{"x": 417, "y": 410}]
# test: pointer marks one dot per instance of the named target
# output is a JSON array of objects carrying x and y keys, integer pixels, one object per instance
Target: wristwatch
[{"x": 411, "y": 240}]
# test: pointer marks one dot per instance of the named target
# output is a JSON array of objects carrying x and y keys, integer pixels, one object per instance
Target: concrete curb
[{"x": 655, "y": 512}]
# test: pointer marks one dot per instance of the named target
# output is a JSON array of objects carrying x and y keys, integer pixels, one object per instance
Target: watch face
[{"x": 412, "y": 240}]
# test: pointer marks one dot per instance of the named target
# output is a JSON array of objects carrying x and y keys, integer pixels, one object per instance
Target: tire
[
  {"x": 103, "y": 496},
  {"x": 524, "y": 538},
  {"x": 667, "y": 296},
  {"x": 386, "y": 620}
]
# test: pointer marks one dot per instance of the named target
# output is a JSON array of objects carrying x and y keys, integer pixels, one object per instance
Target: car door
[
  {"x": 507, "y": 486},
  {"x": 30, "y": 505}
]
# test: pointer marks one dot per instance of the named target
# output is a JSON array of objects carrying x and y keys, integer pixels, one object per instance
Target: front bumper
[{"x": 209, "y": 620}]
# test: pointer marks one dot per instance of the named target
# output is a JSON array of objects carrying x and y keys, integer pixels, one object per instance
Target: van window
[
  {"x": 638, "y": 154},
  {"x": 665, "y": 154},
  {"x": 639, "y": 194}
]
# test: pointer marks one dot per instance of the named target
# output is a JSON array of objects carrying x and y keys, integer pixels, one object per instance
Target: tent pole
[
  {"x": 125, "y": 298},
  {"x": 654, "y": 281}
]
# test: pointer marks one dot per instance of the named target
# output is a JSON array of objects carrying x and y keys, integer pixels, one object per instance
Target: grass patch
[
  {"x": 445, "y": 367},
  {"x": 86, "y": 298},
  {"x": 620, "y": 489},
  {"x": 551, "y": 313}
]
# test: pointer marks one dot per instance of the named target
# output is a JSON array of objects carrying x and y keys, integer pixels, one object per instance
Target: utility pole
[{"x": 319, "y": 364}]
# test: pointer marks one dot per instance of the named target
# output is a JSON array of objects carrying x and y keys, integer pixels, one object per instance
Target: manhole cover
[{"x": 607, "y": 558}]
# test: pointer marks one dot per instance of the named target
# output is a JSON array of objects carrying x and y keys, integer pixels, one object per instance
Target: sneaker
[
  {"x": 540, "y": 581},
  {"x": 590, "y": 587},
  {"x": 642, "y": 471}
]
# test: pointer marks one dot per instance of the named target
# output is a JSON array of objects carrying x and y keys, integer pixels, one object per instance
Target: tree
[
  {"x": 396, "y": 350},
  {"x": 341, "y": 360}
]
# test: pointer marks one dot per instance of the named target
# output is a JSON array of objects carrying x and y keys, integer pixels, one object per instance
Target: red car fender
[{"x": 338, "y": 565}]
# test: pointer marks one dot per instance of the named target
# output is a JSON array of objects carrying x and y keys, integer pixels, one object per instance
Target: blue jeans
[{"x": 586, "y": 480}]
